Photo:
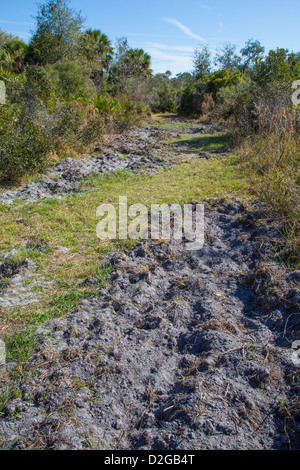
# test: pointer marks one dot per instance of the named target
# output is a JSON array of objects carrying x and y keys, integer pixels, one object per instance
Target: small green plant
[
  {"x": 7, "y": 394},
  {"x": 20, "y": 345},
  {"x": 16, "y": 258},
  {"x": 102, "y": 274},
  {"x": 4, "y": 283}
]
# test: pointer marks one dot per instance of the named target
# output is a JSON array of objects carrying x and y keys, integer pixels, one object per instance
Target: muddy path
[
  {"x": 138, "y": 150},
  {"x": 181, "y": 350}
]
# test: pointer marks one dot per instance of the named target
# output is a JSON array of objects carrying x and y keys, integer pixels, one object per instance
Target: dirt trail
[
  {"x": 181, "y": 350},
  {"x": 138, "y": 150}
]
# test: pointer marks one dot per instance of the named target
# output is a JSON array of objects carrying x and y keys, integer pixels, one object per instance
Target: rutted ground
[
  {"x": 146, "y": 150},
  {"x": 139, "y": 150},
  {"x": 181, "y": 349}
]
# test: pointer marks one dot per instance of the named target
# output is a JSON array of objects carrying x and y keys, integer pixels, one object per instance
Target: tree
[
  {"x": 130, "y": 62},
  {"x": 279, "y": 66},
  {"x": 12, "y": 52},
  {"x": 69, "y": 79},
  {"x": 96, "y": 51},
  {"x": 162, "y": 93},
  {"x": 202, "y": 62},
  {"x": 121, "y": 48},
  {"x": 131, "y": 68},
  {"x": 222, "y": 79},
  {"x": 97, "y": 48},
  {"x": 57, "y": 34},
  {"x": 227, "y": 58},
  {"x": 183, "y": 80},
  {"x": 252, "y": 52},
  {"x": 192, "y": 98},
  {"x": 16, "y": 48},
  {"x": 4, "y": 37},
  {"x": 137, "y": 63}
]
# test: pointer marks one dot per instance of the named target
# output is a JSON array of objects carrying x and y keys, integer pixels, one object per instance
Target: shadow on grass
[
  {"x": 169, "y": 117},
  {"x": 208, "y": 143}
]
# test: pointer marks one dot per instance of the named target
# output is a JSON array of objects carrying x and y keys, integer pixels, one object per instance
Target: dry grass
[{"x": 272, "y": 159}]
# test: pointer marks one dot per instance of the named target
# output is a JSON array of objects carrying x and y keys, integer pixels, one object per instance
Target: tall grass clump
[{"x": 272, "y": 157}]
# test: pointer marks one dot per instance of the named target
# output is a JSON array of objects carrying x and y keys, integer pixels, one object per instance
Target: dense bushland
[
  {"x": 69, "y": 87},
  {"x": 65, "y": 90},
  {"x": 250, "y": 95}
]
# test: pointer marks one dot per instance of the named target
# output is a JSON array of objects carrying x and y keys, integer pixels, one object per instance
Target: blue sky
[{"x": 171, "y": 29}]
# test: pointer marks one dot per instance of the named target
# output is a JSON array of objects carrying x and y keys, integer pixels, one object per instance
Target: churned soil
[
  {"x": 181, "y": 350},
  {"x": 137, "y": 151}
]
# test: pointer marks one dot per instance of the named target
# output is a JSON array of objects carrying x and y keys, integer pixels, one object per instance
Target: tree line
[{"x": 69, "y": 87}]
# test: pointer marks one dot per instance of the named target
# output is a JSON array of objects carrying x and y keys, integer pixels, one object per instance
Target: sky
[{"x": 170, "y": 30}]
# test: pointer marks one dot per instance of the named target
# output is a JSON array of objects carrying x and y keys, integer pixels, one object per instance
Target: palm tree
[
  {"x": 97, "y": 50},
  {"x": 17, "y": 49},
  {"x": 12, "y": 55},
  {"x": 138, "y": 62}
]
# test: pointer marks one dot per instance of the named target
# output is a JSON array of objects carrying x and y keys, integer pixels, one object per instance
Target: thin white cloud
[
  {"x": 205, "y": 7},
  {"x": 220, "y": 26},
  {"x": 167, "y": 47},
  {"x": 162, "y": 61},
  {"x": 184, "y": 28},
  {"x": 164, "y": 57},
  {"x": 149, "y": 35}
]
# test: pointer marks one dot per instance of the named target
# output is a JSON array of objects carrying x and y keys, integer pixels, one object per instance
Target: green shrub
[
  {"x": 236, "y": 109},
  {"x": 194, "y": 96},
  {"x": 109, "y": 105},
  {"x": 192, "y": 99},
  {"x": 71, "y": 81},
  {"x": 238, "y": 106},
  {"x": 222, "y": 79},
  {"x": 92, "y": 132},
  {"x": 120, "y": 114},
  {"x": 133, "y": 115},
  {"x": 167, "y": 100},
  {"x": 23, "y": 147}
]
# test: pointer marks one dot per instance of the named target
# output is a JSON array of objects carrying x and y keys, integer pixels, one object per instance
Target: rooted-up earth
[{"x": 178, "y": 349}]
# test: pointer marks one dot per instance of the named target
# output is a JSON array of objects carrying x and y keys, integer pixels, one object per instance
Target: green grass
[
  {"x": 103, "y": 273},
  {"x": 204, "y": 142},
  {"x": 72, "y": 222},
  {"x": 171, "y": 121},
  {"x": 172, "y": 125},
  {"x": 19, "y": 345},
  {"x": 16, "y": 258}
]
